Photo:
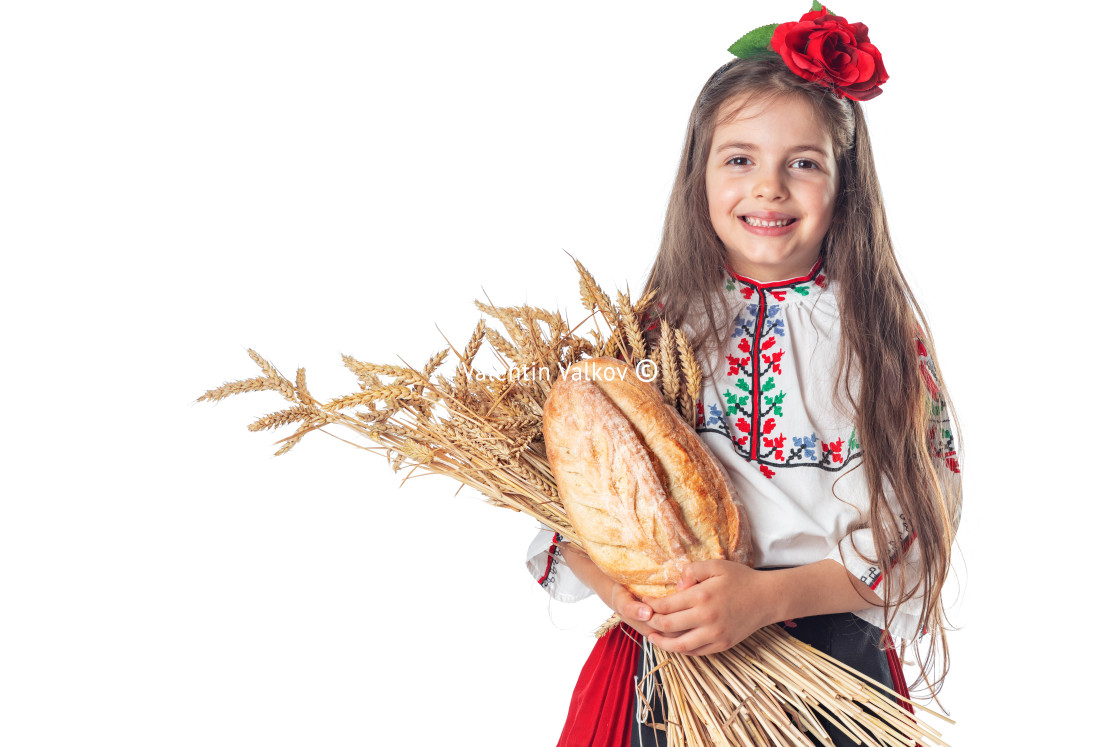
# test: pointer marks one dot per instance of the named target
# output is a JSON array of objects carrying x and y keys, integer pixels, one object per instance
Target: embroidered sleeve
[
  {"x": 942, "y": 443},
  {"x": 858, "y": 546},
  {"x": 547, "y": 567}
]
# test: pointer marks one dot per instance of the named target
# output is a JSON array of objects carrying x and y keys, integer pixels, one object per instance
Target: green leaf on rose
[
  {"x": 753, "y": 42},
  {"x": 818, "y": 6}
]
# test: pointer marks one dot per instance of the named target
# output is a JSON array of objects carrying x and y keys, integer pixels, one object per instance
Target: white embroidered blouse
[{"x": 768, "y": 412}]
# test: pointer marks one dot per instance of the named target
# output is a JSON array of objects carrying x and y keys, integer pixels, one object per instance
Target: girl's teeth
[{"x": 768, "y": 223}]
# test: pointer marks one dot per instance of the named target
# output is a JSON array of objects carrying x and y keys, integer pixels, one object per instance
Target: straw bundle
[{"x": 484, "y": 430}]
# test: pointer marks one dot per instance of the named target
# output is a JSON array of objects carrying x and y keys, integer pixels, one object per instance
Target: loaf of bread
[{"x": 640, "y": 488}]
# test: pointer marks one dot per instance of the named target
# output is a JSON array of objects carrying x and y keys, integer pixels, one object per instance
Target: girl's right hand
[{"x": 633, "y": 611}]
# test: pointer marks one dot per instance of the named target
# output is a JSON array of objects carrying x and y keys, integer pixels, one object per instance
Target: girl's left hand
[{"x": 717, "y": 605}]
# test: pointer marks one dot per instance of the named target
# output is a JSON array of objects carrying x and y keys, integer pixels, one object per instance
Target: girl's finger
[
  {"x": 636, "y": 611},
  {"x": 711, "y": 648},
  {"x": 699, "y": 571},
  {"x": 691, "y": 641},
  {"x": 682, "y": 600},
  {"x": 677, "y": 622},
  {"x": 686, "y": 579},
  {"x": 626, "y": 605}
]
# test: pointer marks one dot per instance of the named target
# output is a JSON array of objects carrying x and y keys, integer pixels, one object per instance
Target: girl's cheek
[{"x": 724, "y": 190}]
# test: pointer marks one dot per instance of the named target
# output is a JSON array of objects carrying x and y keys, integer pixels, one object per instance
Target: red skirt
[{"x": 601, "y": 713}]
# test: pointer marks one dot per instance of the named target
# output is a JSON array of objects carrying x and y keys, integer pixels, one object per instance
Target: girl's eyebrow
[
  {"x": 736, "y": 146},
  {"x": 752, "y": 146}
]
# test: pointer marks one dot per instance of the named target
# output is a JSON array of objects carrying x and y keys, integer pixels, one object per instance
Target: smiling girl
[{"x": 821, "y": 393}]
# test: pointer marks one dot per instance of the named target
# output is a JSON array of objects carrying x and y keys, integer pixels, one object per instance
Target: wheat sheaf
[{"x": 483, "y": 429}]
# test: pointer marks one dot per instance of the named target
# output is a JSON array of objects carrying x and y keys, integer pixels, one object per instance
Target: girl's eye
[
  {"x": 803, "y": 163},
  {"x": 739, "y": 161}
]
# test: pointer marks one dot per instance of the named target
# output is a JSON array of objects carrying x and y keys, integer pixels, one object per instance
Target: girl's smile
[
  {"x": 771, "y": 182},
  {"x": 768, "y": 223}
]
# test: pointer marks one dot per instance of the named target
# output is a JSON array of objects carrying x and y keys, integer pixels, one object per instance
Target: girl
[{"x": 821, "y": 393}]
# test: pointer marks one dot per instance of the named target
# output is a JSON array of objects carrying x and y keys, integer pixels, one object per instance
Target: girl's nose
[{"x": 769, "y": 185}]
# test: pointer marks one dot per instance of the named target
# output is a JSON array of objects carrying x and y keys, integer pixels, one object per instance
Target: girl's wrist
[
  {"x": 779, "y": 589},
  {"x": 820, "y": 588}
]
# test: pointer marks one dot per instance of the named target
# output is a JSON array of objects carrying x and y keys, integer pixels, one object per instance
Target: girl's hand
[
  {"x": 719, "y": 603},
  {"x": 633, "y": 612}
]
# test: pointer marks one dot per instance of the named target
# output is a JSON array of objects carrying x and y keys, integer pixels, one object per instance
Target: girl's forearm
[
  {"x": 820, "y": 588},
  {"x": 586, "y": 571}
]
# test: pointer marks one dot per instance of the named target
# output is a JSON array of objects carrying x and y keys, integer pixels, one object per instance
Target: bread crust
[{"x": 639, "y": 486}]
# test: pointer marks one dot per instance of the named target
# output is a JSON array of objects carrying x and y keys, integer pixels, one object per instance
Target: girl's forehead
[{"x": 776, "y": 114}]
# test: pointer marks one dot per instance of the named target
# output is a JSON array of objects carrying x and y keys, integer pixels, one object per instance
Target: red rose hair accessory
[{"x": 822, "y": 47}]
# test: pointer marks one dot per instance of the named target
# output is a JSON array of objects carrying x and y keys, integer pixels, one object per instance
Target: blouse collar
[{"x": 806, "y": 286}]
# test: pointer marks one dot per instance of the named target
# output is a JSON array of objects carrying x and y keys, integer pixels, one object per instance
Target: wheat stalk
[
  {"x": 631, "y": 327},
  {"x": 693, "y": 376},
  {"x": 670, "y": 375},
  {"x": 259, "y": 384}
]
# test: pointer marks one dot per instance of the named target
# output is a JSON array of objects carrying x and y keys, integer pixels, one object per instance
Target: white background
[{"x": 182, "y": 181}]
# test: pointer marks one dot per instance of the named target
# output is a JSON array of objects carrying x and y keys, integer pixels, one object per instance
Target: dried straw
[{"x": 484, "y": 430}]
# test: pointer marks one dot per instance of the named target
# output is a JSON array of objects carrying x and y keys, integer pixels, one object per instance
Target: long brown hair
[{"x": 880, "y": 321}]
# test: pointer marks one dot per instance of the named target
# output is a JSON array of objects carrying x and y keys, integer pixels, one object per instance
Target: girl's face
[{"x": 772, "y": 181}]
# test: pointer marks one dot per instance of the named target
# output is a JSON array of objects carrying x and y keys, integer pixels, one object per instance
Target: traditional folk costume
[{"x": 769, "y": 412}]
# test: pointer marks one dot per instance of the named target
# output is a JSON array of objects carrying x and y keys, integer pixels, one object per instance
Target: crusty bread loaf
[{"x": 639, "y": 486}]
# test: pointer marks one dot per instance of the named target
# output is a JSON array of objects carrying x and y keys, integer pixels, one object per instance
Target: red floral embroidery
[
  {"x": 766, "y": 471},
  {"x": 774, "y": 360},
  {"x": 777, "y": 444},
  {"x": 735, "y": 365}
]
